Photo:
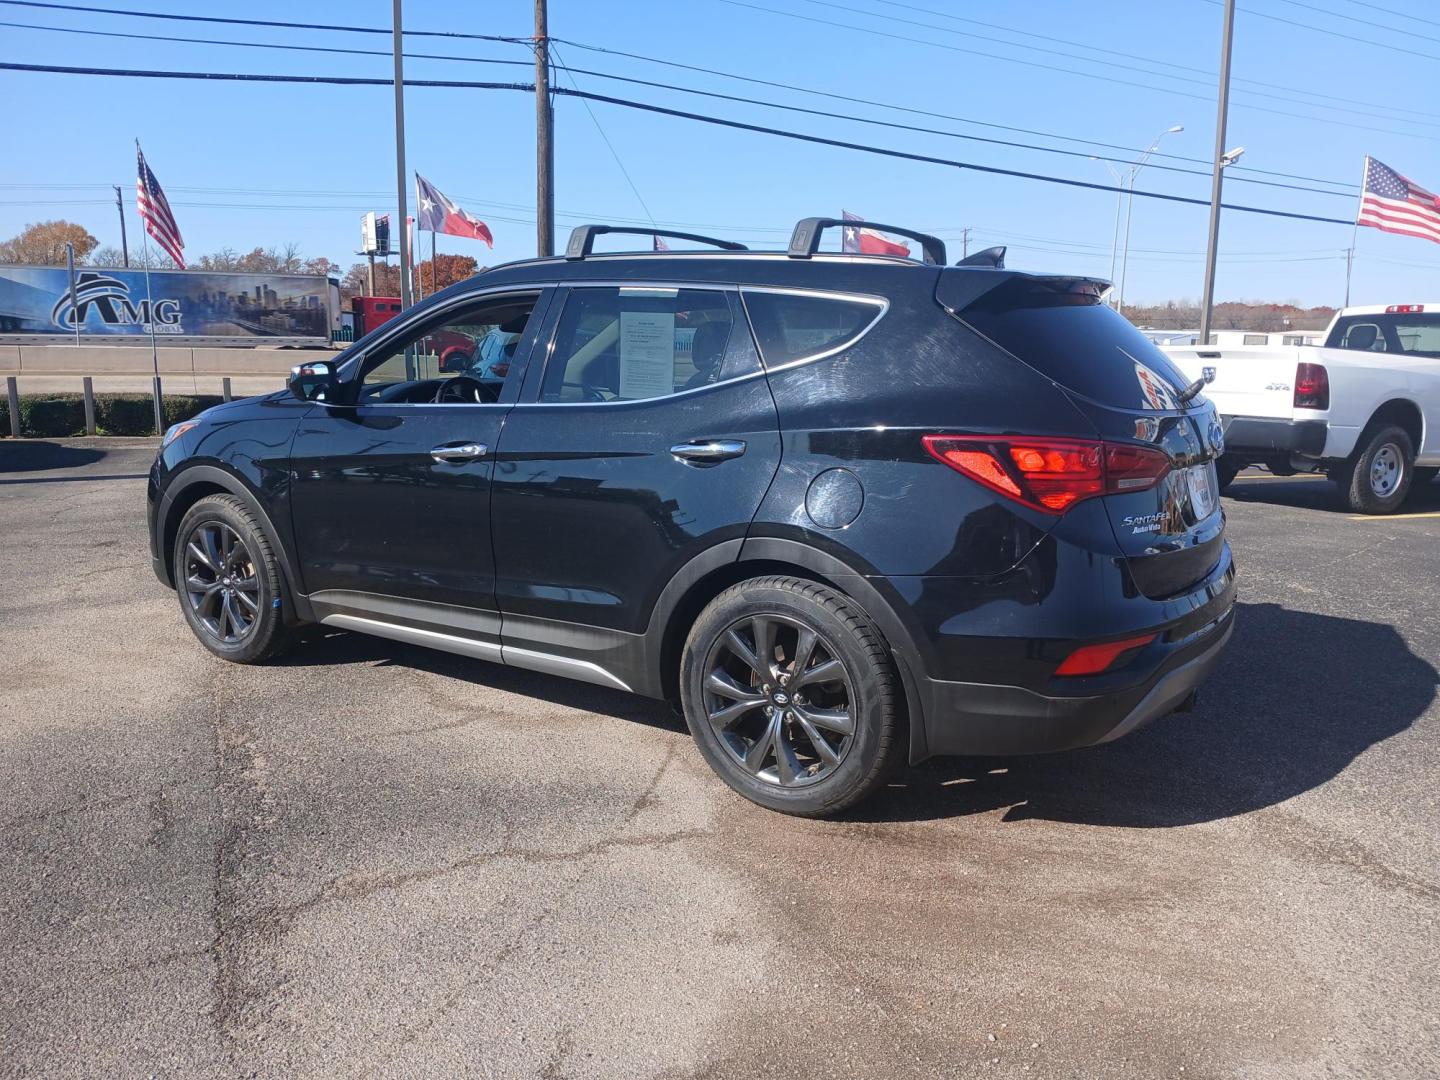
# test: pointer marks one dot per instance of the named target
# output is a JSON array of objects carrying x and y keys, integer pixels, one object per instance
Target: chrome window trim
[{"x": 880, "y": 302}]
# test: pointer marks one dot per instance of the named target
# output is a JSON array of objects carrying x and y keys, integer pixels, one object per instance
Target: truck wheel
[
  {"x": 1378, "y": 477},
  {"x": 1226, "y": 469}
]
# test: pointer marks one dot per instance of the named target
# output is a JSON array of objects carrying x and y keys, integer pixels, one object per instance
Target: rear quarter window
[
  {"x": 803, "y": 326},
  {"x": 1068, "y": 335}
]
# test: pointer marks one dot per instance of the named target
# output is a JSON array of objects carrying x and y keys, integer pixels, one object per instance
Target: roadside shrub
[{"x": 57, "y": 416}]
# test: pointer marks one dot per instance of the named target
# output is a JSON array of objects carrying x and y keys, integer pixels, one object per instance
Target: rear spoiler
[{"x": 962, "y": 286}]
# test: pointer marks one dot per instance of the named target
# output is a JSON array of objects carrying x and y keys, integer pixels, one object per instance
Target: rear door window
[
  {"x": 805, "y": 326},
  {"x": 632, "y": 343},
  {"x": 1064, "y": 331}
]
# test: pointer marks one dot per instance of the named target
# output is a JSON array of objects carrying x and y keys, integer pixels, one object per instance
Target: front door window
[{"x": 462, "y": 357}]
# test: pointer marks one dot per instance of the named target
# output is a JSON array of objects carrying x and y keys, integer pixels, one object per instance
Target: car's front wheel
[
  {"x": 791, "y": 696},
  {"x": 229, "y": 581}
]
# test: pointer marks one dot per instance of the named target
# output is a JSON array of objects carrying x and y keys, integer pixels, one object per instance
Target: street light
[{"x": 1130, "y": 206}]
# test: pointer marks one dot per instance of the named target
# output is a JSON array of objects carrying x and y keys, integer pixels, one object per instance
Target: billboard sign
[
  {"x": 36, "y": 301},
  {"x": 375, "y": 234}
]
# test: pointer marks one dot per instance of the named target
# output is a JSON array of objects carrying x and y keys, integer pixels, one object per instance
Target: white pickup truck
[{"x": 1364, "y": 408}]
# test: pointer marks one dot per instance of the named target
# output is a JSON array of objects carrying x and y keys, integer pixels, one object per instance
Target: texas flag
[
  {"x": 868, "y": 241},
  {"x": 439, "y": 214}
]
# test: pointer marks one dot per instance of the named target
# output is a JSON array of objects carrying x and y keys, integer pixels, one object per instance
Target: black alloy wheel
[
  {"x": 229, "y": 580},
  {"x": 220, "y": 582},
  {"x": 778, "y": 699},
  {"x": 792, "y": 696}
]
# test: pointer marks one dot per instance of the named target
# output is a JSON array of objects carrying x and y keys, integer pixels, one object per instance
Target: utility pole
[
  {"x": 965, "y": 241},
  {"x": 544, "y": 139},
  {"x": 398, "y": 37},
  {"x": 124, "y": 247},
  {"x": 1217, "y": 179}
]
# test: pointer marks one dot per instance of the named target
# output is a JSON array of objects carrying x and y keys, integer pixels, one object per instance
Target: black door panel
[
  {"x": 593, "y": 514},
  {"x": 377, "y": 513}
]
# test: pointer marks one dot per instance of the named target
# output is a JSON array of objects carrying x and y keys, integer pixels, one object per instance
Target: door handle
[
  {"x": 708, "y": 452},
  {"x": 458, "y": 452}
]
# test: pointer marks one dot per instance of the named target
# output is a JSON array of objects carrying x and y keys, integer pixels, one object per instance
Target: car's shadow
[
  {"x": 1309, "y": 492},
  {"x": 33, "y": 455},
  {"x": 320, "y": 645},
  {"x": 1296, "y": 698}
]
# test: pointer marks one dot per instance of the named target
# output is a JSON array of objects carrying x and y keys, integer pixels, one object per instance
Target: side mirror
[{"x": 314, "y": 381}]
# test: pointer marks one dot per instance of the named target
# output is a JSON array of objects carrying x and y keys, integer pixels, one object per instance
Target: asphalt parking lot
[{"x": 372, "y": 859}]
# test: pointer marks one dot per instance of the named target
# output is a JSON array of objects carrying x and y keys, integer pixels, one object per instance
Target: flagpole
[
  {"x": 155, "y": 388},
  {"x": 154, "y": 350},
  {"x": 1355, "y": 231},
  {"x": 434, "y": 288}
]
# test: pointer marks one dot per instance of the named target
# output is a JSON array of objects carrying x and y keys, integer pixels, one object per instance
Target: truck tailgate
[{"x": 1257, "y": 380}]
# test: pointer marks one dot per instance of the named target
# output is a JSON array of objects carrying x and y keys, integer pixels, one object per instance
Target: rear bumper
[
  {"x": 1269, "y": 435},
  {"x": 979, "y": 719}
]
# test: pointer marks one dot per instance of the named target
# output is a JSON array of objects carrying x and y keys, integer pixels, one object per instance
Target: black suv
[{"x": 845, "y": 510}]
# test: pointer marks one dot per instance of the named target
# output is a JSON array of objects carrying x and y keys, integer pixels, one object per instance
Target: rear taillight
[
  {"x": 1050, "y": 474},
  {"x": 1093, "y": 659},
  {"x": 1312, "y": 386},
  {"x": 1404, "y": 309}
]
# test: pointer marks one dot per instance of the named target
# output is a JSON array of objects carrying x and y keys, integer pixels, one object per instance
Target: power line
[
  {"x": 1081, "y": 74},
  {"x": 737, "y": 125},
  {"x": 671, "y": 86},
  {"x": 261, "y": 44},
  {"x": 1166, "y": 70},
  {"x": 1392, "y": 11},
  {"x": 656, "y": 60},
  {"x": 1363, "y": 22},
  {"x": 1390, "y": 47},
  {"x": 260, "y": 22},
  {"x": 608, "y": 144},
  {"x": 938, "y": 115}
]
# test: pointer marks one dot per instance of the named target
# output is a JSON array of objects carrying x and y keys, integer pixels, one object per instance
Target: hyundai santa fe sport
[{"x": 846, "y": 511}]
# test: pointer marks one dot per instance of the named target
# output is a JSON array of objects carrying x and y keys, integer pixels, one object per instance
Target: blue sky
[{"x": 249, "y": 164}]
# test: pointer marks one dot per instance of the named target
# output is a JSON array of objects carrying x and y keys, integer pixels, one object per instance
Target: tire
[
  {"x": 762, "y": 742},
  {"x": 229, "y": 584},
  {"x": 1376, "y": 479},
  {"x": 1226, "y": 469}
]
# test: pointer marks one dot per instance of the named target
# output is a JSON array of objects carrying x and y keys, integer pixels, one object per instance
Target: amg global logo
[{"x": 110, "y": 298}]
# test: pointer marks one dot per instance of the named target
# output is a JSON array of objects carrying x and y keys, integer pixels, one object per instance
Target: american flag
[
  {"x": 155, "y": 212},
  {"x": 1397, "y": 205}
]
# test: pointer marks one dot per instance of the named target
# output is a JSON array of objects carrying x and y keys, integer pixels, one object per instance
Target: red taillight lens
[
  {"x": 1050, "y": 474},
  {"x": 1312, "y": 386},
  {"x": 1093, "y": 659}
]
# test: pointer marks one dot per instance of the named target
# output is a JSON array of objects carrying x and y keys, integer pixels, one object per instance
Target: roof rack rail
[
  {"x": 582, "y": 238},
  {"x": 805, "y": 240},
  {"x": 991, "y": 256}
]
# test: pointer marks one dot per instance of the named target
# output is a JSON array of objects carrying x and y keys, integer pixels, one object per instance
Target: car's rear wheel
[
  {"x": 229, "y": 581},
  {"x": 791, "y": 696},
  {"x": 1378, "y": 477}
]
